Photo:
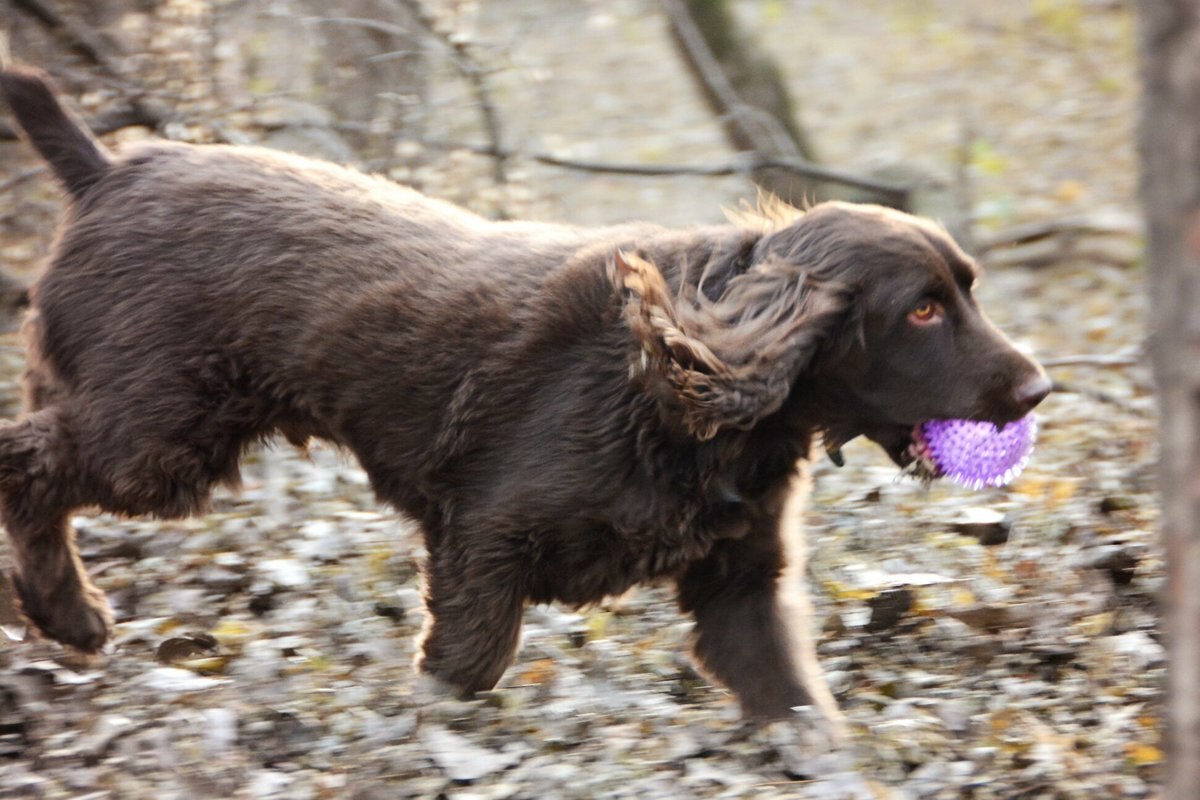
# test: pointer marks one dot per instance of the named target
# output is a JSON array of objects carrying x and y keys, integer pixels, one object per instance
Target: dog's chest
[
  {"x": 650, "y": 537},
  {"x": 653, "y": 521}
]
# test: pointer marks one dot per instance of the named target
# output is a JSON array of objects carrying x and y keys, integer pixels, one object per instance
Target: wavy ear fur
[{"x": 728, "y": 362}]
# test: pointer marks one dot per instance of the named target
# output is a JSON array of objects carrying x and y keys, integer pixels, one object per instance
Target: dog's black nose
[{"x": 1032, "y": 392}]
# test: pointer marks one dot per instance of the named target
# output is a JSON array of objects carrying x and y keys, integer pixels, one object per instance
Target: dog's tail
[{"x": 75, "y": 155}]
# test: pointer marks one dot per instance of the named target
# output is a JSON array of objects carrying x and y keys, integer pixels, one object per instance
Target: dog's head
[{"x": 859, "y": 319}]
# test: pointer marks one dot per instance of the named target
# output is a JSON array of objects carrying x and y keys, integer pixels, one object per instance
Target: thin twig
[
  {"x": 360, "y": 22},
  {"x": 474, "y": 73},
  {"x": 140, "y": 110},
  {"x": 963, "y": 186},
  {"x": 1097, "y": 360},
  {"x": 1096, "y": 224},
  {"x": 20, "y": 178},
  {"x": 741, "y": 165},
  {"x": 753, "y": 123},
  {"x": 1066, "y": 387},
  {"x": 82, "y": 40}
]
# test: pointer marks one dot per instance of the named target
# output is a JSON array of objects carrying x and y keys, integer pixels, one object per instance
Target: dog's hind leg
[
  {"x": 473, "y": 625},
  {"x": 39, "y": 487}
]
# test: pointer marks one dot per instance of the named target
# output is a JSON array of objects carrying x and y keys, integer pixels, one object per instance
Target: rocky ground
[{"x": 999, "y": 644}]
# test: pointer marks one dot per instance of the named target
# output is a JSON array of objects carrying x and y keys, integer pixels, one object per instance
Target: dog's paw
[
  {"x": 806, "y": 746},
  {"x": 826, "y": 729},
  {"x": 86, "y": 629},
  {"x": 429, "y": 688},
  {"x": 806, "y": 743},
  {"x": 83, "y": 623}
]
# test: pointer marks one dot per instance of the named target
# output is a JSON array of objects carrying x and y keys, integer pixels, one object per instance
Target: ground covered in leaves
[{"x": 996, "y": 644}]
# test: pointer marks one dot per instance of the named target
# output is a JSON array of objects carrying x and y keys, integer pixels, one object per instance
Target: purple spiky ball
[{"x": 977, "y": 454}]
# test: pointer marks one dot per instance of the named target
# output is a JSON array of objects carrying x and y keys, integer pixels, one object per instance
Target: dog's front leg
[
  {"x": 473, "y": 621},
  {"x": 753, "y": 623}
]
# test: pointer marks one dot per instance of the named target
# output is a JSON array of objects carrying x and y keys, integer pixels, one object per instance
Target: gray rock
[{"x": 458, "y": 757}]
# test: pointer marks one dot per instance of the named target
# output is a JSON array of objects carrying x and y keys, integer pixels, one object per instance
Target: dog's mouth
[
  {"x": 906, "y": 445},
  {"x": 918, "y": 459},
  {"x": 973, "y": 453}
]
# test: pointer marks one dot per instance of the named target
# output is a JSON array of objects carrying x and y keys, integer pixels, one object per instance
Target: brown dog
[{"x": 567, "y": 412}]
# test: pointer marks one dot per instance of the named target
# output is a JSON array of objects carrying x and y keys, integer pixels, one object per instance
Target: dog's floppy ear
[{"x": 731, "y": 361}]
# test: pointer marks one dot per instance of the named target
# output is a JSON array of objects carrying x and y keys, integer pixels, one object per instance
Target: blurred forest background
[{"x": 1001, "y": 644}]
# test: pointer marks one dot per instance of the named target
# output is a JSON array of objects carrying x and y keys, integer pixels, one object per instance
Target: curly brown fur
[{"x": 567, "y": 412}]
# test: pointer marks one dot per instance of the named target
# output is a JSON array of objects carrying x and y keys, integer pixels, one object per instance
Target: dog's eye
[{"x": 925, "y": 312}]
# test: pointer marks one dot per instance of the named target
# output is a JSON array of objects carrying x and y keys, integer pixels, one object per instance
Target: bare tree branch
[
  {"x": 474, "y": 73},
  {"x": 360, "y": 22},
  {"x": 763, "y": 131},
  {"x": 1126, "y": 359},
  {"x": 83, "y": 41},
  {"x": 21, "y": 177},
  {"x": 1100, "y": 223},
  {"x": 139, "y": 111},
  {"x": 745, "y": 164},
  {"x": 1069, "y": 387},
  {"x": 744, "y": 88}
]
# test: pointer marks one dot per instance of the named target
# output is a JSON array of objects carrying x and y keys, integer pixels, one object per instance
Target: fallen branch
[
  {"x": 744, "y": 164},
  {"x": 1098, "y": 224},
  {"x": 1103, "y": 237}
]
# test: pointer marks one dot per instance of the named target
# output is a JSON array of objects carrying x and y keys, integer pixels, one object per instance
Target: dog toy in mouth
[{"x": 972, "y": 454}]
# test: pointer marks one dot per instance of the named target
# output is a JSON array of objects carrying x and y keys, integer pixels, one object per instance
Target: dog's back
[{"x": 230, "y": 292}]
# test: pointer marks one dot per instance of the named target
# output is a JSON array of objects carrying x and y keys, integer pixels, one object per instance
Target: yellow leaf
[
  {"x": 597, "y": 625},
  {"x": 840, "y": 591},
  {"x": 1002, "y": 721},
  {"x": 1063, "y": 17},
  {"x": 261, "y": 85},
  {"x": 1143, "y": 754},
  {"x": 538, "y": 673},
  {"x": 234, "y": 632},
  {"x": 1029, "y": 486},
  {"x": 210, "y": 665},
  {"x": 1095, "y": 624},
  {"x": 231, "y": 627},
  {"x": 774, "y": 10},
  {"x": 1063, "y": 490},
  {"x": 1110, "y": 84},
  {"x": 1070, "y": 191},
  {"x": 995, "y": 571},
  {"x": 963, "y": 597},
  {"x": 308, "y": 661},
  {"x": 985, "y": 158}
]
